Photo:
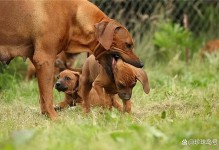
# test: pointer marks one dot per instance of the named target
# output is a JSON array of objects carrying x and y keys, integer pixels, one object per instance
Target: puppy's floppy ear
[
  {"x": 104, "y": 32},
  {"x": 76, "y": 73},
  {"x": 142, "y": 77}
]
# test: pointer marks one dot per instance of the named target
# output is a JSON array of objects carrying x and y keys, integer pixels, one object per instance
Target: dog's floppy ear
[
  {"x": 104, "y": 32},
  {"x": 142, "y": 77},
  {"x": 76, "y": 73}
]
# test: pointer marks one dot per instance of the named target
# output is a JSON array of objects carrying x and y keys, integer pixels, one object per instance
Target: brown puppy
[
  {"x": 41, "y": 29},
  {"x": 63, "y": 61},
  {"x": 119, "y": 78},
  {"x": 68, "y": 82}
]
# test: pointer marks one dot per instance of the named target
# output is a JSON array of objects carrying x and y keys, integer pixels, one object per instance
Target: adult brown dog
[
  {"x": 41, "y": 29},
  {"x": 68, "y": 82},
  {"x": 119, "y": 78}
]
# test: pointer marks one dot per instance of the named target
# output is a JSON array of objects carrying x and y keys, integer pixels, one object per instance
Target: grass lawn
[{"x": 182, "y": 106}]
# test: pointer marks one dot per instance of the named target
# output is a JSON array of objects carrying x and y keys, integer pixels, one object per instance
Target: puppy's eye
[
  {"x": 67, "y": 78},
  {"x": 129, "y": 46},
  {"x": 58, "y": 77}
]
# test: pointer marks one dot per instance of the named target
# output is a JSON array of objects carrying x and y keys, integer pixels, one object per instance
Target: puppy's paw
[{"x": 57, "y": 108}]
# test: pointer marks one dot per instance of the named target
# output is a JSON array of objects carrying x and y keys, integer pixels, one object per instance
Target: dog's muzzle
[
  {"x": 129, "y": 58},
  {"x": 60, "y": 87},
  {"x": 124, "y": 96}
]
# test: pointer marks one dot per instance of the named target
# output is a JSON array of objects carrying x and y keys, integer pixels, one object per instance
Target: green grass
[{"x": 182, "y": 104}]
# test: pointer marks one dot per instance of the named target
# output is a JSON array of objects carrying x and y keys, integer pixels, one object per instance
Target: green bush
[
  {"x": 171, "y": 40},
  {"x": 12, "y": 73}
]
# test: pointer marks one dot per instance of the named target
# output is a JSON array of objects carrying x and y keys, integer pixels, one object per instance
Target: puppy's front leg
[
  {"x": 115, "y": 102},
  {"x": 68, "y": 101},
  {"x": 85, "y": 87},
  {"x": 99, "y": 84},
  {"x": 100, "y": 91},
  {"x": 126, "y": 106}
]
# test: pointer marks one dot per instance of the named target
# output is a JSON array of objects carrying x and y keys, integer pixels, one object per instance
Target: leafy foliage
[{"x": 171, "y": 40}]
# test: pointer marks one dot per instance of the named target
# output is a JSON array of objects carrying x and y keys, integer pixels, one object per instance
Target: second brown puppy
[{"x": 119, "y": 78}]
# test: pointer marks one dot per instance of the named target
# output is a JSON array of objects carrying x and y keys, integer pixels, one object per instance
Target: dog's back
[{"x": 91, "y": 68}]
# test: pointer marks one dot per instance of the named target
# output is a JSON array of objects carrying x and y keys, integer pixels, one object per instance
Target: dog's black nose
[
  {"x": 57, "y": 85},
  {"x": 60, "y": 86},
  {"x": 124, "y": 96},
  {"x": 138, "y": 64},
  {"x": 141, "y": 65}
]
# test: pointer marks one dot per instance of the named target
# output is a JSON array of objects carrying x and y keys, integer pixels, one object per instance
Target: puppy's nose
[
  {"x": 124, "y": 96},
  {"x": 57, "y": 85}
]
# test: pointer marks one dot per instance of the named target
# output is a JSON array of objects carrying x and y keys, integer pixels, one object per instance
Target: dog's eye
[
  {"x": 129, "y": 46},
  {"x": 58, "y": 77},
  {"x": 67, "y": 78}
]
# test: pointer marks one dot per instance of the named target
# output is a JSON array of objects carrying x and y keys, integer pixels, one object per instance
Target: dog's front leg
[
  {"x": 126, "y": 106},
  {"x": 85, "y": 87},
  {"x": 44, "y": 64},
  {"x": 115, "y": 102},
  {"x": 99, "y": 84},
  {"x": 68, "y": 101}
]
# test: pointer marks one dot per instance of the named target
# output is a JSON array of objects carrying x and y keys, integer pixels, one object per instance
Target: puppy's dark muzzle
[
  {"x": 60, "y": 87},
  {"x": 124, "y": 96}
]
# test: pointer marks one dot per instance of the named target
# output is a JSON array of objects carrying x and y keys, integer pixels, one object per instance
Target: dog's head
[
  {"x": 116, "y": 38},
  {"x": 126, "y": 76},
  {"x": 67, "y": 81}
]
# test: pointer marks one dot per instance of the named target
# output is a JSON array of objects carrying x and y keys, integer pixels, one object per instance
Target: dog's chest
[{"x": 111, "y": 89}]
